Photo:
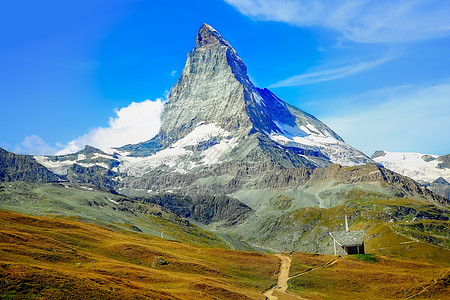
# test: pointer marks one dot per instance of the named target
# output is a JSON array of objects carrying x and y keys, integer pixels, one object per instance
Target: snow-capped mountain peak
[
  {"x": 214, "y": 88},
  {"x": 216, "y": 116}
]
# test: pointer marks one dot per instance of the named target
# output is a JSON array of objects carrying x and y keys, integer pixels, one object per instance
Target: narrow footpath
[{"x": 283, "y": 278}]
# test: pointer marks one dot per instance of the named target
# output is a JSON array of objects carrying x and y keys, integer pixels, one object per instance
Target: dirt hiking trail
[{"x": 283, "y": 277}]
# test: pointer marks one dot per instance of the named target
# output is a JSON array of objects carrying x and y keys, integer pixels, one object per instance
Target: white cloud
[
  {"x": 370, "y": 21},
  {"x": 404, "y": 118},
  {"x": 138, "y": 122},
  {"x": 330, "y": 74},
  {"x": 35, "y": 145},
  {"x": 173, "y": 73}
]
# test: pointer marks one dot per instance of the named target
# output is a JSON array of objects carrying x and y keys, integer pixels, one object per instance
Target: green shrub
[{"x": 366, "y": 257}]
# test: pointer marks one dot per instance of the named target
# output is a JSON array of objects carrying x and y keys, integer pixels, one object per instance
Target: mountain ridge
[{"x": 23, "y": 167}]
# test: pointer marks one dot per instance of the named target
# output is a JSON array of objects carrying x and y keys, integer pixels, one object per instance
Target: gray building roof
[{"x": 349, "y": 238}]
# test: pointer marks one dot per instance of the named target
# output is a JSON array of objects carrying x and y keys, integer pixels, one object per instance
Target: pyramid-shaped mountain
[{"x": 215, "y": 115}]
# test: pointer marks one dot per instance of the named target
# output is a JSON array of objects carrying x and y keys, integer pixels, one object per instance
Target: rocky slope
[
  {"x": 204, "y": 209},
  {"x": 296, "y": 209},
  {"x": 14, "y": 167},
  {"x": 440, "y": 186}
]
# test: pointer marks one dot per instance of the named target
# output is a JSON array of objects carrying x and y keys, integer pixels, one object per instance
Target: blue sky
[{"x": 97, "y": 72}]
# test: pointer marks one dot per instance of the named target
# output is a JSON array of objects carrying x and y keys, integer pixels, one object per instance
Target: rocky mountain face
[
  {"x": 15, "y": 167},
  {"x": 214, "y": 108},
  {"x": 241, "y": 161},
  {"x": 218, "y": 127},
  {"x": 440, "y": 186},
  {"x": 216, "y": 124},
  {"x": 205, "y": 209}
]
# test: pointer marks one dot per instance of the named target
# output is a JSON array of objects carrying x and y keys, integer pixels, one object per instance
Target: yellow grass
[
  {"x": 44, "y": 258},
  {"x": 48, "y": 258},
  {"x": 385, "y": 278}
]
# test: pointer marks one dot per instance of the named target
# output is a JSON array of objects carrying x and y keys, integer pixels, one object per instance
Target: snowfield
[
  {"x": 414, "y": 165},
  {"x": 177, "y": 155},
  {"x": 308, "y": 136}
]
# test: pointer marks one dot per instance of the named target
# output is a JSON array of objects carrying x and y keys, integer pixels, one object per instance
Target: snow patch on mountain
[
  {"x": 200, "y": 134},
  {"x": 418, "y": 166},
  {"x": 290, "y": 131},
  {"x": 178, "y": 156},
  {"x": 213, "y": 154},
  {"x": 308, "y": 136},
  {"x": 257, "y": 97},
  {"x": 138, "y": 166},
  {"x": 58, "y": 167},
  {"x": 61, "y": 167},
  {"x": 99, "y": 155}
]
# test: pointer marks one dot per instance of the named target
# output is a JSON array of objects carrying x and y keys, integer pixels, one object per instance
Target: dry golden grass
[
  {"x": 44, "y": 258},
  {"x": 47, "y": 258},
  {"x": 367, "y": 277},
  {"x": 383, "y": 239}
]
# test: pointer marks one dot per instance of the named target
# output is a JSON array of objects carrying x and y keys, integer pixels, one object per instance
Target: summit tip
[{"x": 207, "y": 35}]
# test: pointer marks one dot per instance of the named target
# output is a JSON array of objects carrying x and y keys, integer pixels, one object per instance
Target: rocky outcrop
[
  {"x": 400, "y": 186},
  {"x": 97, "y": 176},
  {"x": 204, "y": 209},
  {"x": 16, "y": 167},
  {"x": 444, "y": 162},
  {"x": 378, "y": 153},
  {"x": 441, "y": 187}
]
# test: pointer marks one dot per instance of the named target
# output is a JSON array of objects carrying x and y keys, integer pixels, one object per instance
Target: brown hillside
[
  {"x": 45, "y": 258},
  {"x": 366, "y": 277},
  {"x": 48, "y": 258}
]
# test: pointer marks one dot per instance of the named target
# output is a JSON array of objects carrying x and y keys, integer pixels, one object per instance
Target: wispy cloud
[
  {"x": 137, "y": 122},
  {"x": 403, "y": 118},
  {"x": 371, "y": 21},
  {"x": 35, "y": 145},
  {"x": 330, "y": 74}
]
